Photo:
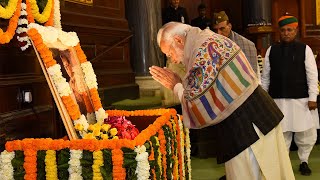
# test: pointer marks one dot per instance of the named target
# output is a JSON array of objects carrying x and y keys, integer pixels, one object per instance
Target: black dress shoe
[
  {"x": 304, "y": 169},
  {"x": 224, "y": 177}
]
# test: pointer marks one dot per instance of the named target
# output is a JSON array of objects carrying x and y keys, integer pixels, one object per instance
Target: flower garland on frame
[
  {"x": 7, "y": 12},
  {"x": 44, "y": 16},
  {"x": 54, "y": 70},
  {"x": 5, "y": 37},
  {"x": 21, "y": 31}
]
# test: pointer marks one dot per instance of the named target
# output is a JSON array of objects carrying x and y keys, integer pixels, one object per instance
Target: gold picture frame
[
  {"x": 84, "y": 2},
  {"x": 318, "y": 12}
]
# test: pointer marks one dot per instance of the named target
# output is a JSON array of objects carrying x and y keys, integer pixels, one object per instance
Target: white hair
[{"x": 170, "y": 29}]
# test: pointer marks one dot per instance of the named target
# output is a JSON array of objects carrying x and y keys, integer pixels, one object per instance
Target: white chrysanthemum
[
  {"x": 68, "y": 38},
  {"x": 22, "y": 21},
  {"x": 60, "y": 82},
  {"x": 20, "y": 30},
  {"x": 6, "y": 168},
  {"x": 57, "y": 15},
  {"x": 83, "y": 121},
  {"x": 75, "y": 168},
  {"x": 89, "y": 75},
  {"x": 188, "y": 147},
  {"x": 23, "y": 6},
  {"x": 100, "y": 115},
  {"x": 23, "y": 13},
  {"x": 143, "y": 165}
]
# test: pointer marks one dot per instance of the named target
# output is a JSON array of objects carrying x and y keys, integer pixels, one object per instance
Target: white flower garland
[
  {"x": 64, "y": 89},
  {"x": 60, "y": 82},
  {"x": 143, "y": 166},
  {"x": 20, "y": 30},
  {"x": 75, "y": 168},
  {"x": 182, "y": 145},
  {"x": 101, "y": 115},
  {"x": 188, "y": 148},
  {"x": 56, "y": 38},
  {"x": 89, "y": 75},
  {"x": 57, "y": 15},
  {"x": 6, "y": 168}
]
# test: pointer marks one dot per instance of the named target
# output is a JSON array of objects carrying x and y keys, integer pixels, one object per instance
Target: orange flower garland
[
  {"x": 47, "y": 58},
  {"x": 5, "y": 37},
  {"x": 51, "y": 18},
  {"x": 29, "y": 12},
  {"x": 93, "y": 92},
  {"x": 31, "y": 146},
  {"x": 162, "y": 140},
  {"x": 118, "y": 172}
]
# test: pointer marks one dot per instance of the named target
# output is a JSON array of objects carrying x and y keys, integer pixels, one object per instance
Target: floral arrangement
[
  {"x": 47, "y": 37},
  {"x": 161, "y": 151},
  {"x": 126, "y": 130},
  {"x": 23, "y": 12}
]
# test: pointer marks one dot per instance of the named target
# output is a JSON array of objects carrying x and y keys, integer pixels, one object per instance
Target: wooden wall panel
[
  {"x": 306, "y": 13},
  {"x": 21, "y": 71}
]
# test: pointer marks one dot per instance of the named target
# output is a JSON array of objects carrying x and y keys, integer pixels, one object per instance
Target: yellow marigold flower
[
  {"x": 96, "y": 132},
  {"x": 79, "y": 127},
  {"x": 113, "y": 131},
  {"x": 115, "y": 137},
  {"x": 106, "y": 127},
  {"x": 91, "y": 127},
  {"x": 104, "y": 136},
  {"x": 88, "y": 136}
]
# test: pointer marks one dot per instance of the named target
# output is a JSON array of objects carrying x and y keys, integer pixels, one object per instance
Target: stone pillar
[{"x": 144, "y": 17}]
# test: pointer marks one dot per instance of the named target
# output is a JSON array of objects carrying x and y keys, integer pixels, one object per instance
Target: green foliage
[
  {"x": 130, "y": 164},
  {"x": 170, "y": 160},
  {"x": 86, "y": 163},
  {"x": 156, "y": 155},
  {"x": 17, "y": 163},
  {"x": 41, "y": 165},
  {"x": 63, "y": 164},
  {"x": 106, "y": 169}
]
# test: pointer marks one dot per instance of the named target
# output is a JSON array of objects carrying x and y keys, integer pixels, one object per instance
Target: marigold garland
[
  {"x": 51, "y": 17},
  {"x": 5, "y": 37},
  {"x": 97, "y": 163},
  {"x": 7, "y": 12},
  {"x": 51, "y": 165},
  {"x": 156, "y": 134},
  {"x": 29, "y": 12},
  {"x": 162, "y": 140},
  {"x": 44, "y": 16},
  {"x": 119, "y": 173}
]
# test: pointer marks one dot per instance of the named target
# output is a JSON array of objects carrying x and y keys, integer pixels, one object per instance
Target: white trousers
[
  {"x": 266, "y": 159},
  {"x": 305, "y": 141}
]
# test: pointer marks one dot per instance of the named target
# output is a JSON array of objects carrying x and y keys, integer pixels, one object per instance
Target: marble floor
[{"x": 207, "y": 169}]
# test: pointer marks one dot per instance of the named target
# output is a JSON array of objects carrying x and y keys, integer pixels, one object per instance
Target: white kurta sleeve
[
  {"x": 265, "y": 78},
  {"x": 178, "y": 90},
  {"x": 312, "y": 75}
]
